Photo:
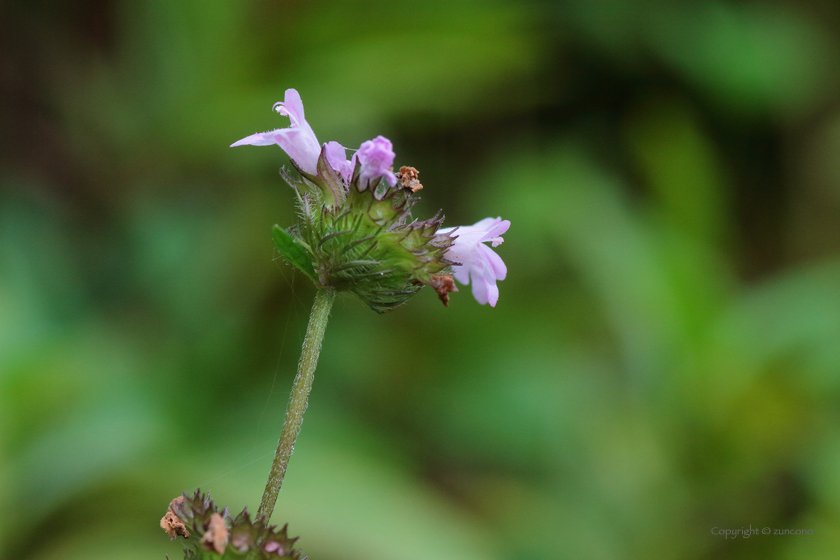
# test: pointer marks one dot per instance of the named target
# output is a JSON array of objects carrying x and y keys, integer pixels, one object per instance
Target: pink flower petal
[
  {"x": 294, "y": 106},
  {"x": 494, "y": 261},
  {"x": 479, "y": 289},
  {"x": 486, "y": 223},
  {"x": 299, "y": 146},
  {"x": 461, "y": 274},
  {"x": 258, "y": 139},
  {"x": 497, "y": 230},
  {"x": 492, "y": 293},
  {"x": 298, "y": 140},
  {"x": 337, "y": 158}
]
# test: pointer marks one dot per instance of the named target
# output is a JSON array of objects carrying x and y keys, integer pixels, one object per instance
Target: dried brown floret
[
  {"x": 171, "y": 523},
  {"x": 409, "y": 179},
  {"x": 443, "y": 284}
]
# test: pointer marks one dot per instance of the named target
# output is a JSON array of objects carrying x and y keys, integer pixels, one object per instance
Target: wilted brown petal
[
  {"x": 443, "y": 284},
  {"x": 171, "y": 523},
  {"x": 409, "y": 179}
]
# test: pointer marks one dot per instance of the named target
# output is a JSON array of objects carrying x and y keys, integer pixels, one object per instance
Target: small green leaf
[{"x": 293, "y": 252}]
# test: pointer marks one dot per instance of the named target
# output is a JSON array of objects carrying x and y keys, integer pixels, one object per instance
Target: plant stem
[{"x": 298, "y": 400}]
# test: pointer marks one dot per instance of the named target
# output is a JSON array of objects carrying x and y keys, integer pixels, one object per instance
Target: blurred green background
[{"x": 665, "y": 356}]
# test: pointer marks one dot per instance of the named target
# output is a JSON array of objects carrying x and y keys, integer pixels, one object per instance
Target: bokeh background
[{"x": 665, "y": 356}]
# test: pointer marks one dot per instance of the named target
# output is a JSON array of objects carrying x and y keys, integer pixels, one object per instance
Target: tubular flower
[
  {"x": 298, "y": 141},
  {"x": 476, "y": 261}
]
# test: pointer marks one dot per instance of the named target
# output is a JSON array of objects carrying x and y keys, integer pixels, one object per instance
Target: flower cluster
[
  {"x": 209, "y": 533},
  {"x": 355, "y": 232}
]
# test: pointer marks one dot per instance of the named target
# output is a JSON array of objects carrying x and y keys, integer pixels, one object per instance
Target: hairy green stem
[{"x": 298, "y": 400}]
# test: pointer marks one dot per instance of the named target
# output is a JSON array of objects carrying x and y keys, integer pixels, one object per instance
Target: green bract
[{"x": 360, "y": 238}]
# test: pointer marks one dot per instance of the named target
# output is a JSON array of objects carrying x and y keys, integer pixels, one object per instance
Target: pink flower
[
  {"x": 476, "y": 261},
  {"x": 298, "y": 141},
  {"x": 377, "y": 159}
]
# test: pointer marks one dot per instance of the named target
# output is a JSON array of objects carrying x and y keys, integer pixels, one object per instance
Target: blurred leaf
[
  {"x": 748, "y": 57},
  {"x": 795, "y": 316},
  {"x": 630, "y": 263},
  {"x": 681, "y": 168},
  {"x": 83, "y": 451}
]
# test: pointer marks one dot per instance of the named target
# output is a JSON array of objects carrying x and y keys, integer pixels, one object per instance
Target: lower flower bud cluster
[{"x": 213, "y": 535}]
